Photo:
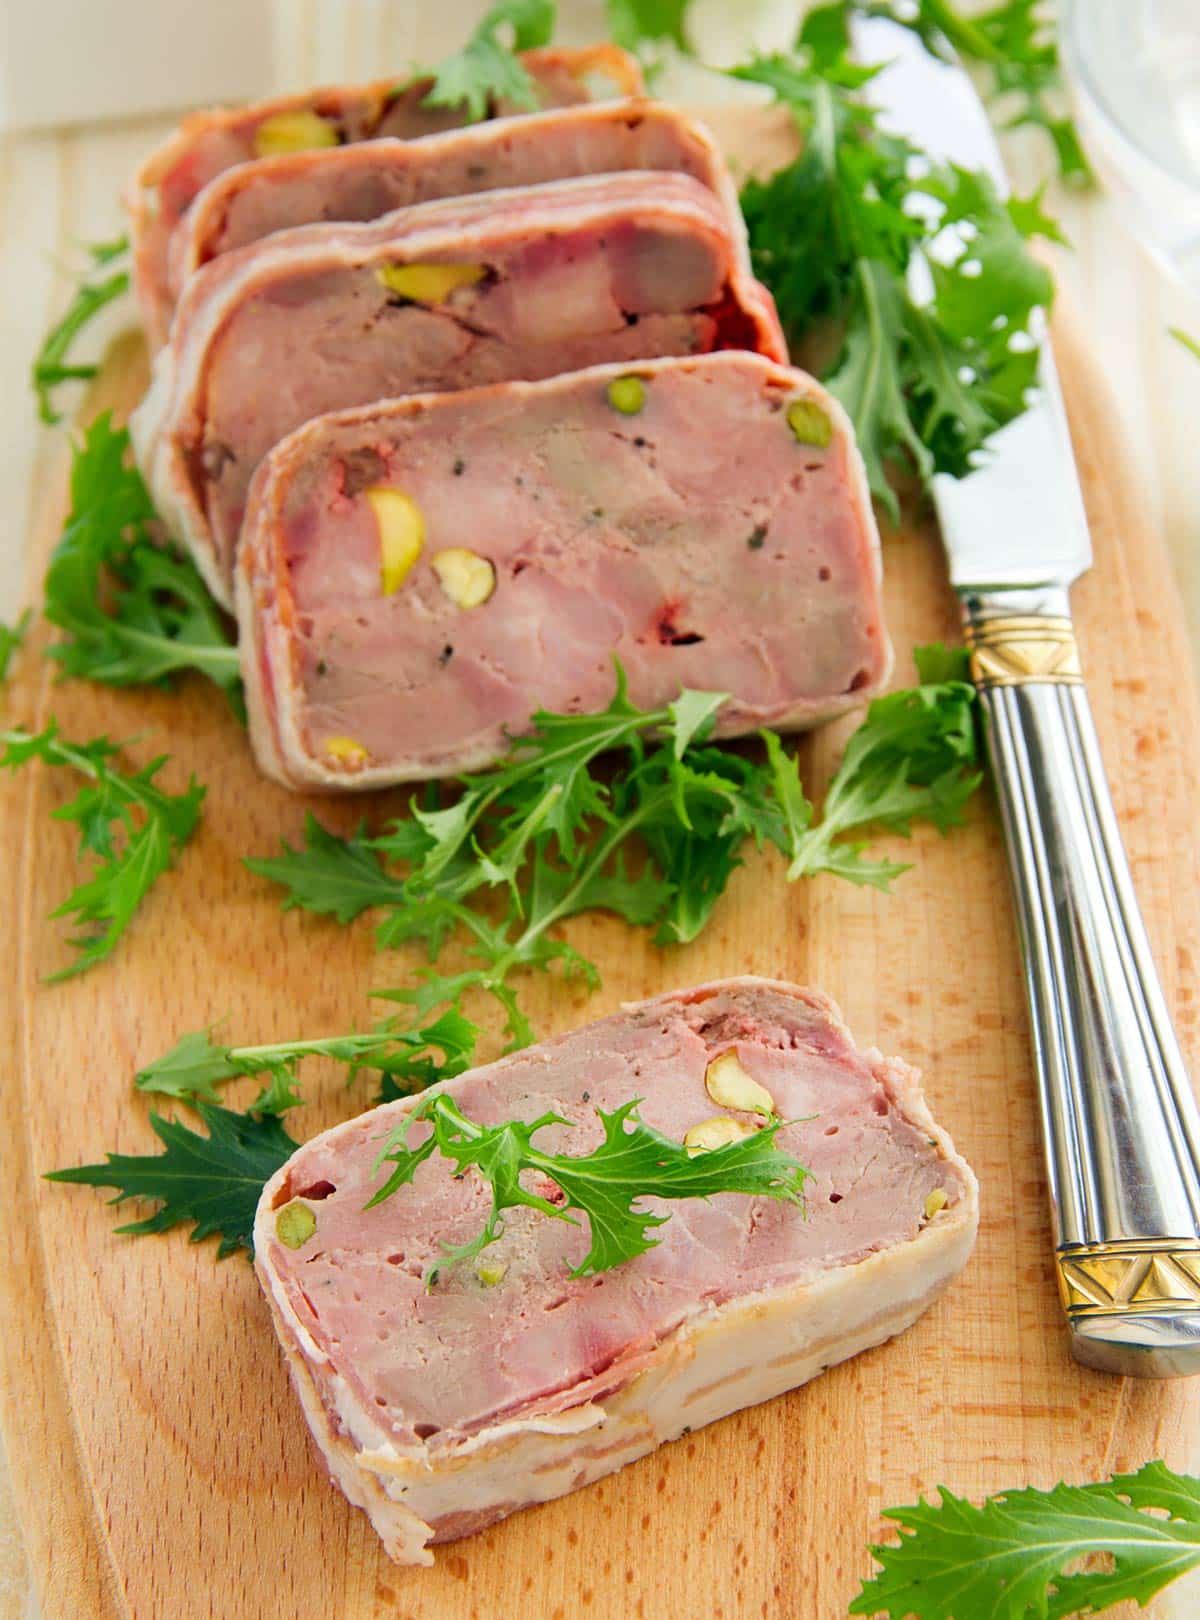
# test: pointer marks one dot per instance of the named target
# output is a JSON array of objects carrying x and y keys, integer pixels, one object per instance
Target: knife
[{"x": 1120, "y": 1123}]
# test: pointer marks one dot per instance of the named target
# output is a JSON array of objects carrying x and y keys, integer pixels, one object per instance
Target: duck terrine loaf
[
  {"x": 368, "y": 179},
  {"x": 441, "y": 1406},
  {"x": 208, "y": 143},
  {"x": 524, "y": 283},
  {"x": 416, "y": 578}
]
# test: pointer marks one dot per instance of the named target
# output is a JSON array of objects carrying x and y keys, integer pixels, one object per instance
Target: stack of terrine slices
[{"x": 455, "y": 418}]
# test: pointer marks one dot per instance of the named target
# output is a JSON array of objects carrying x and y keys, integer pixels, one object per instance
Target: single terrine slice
[
  {"x": 208, "y": 143},
  {"x": 520, "y": 283},
  {"x": 417, "y": 577},
  {"x": 368, "y": 179},
  {"x": 442, "y": 1405}
]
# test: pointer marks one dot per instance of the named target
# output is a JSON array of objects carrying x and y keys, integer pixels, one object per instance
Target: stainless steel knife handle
[{"x": 1121, "y": 1127}]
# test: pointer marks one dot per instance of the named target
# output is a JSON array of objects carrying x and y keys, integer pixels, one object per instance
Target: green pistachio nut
[
  {"x": 809, "y": 423},
  {"x": 627, "y": 395},
  {"x": 295, "y": 1224}
]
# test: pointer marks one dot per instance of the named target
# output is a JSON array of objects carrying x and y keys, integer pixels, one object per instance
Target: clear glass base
[{"x": 1133, "y": 67}]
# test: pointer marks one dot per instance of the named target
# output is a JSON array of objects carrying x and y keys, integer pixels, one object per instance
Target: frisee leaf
[
  {"x": 1005, "y": 1559},
  {"x": 196, "y": 1064},
  {"x": 52, "y": 365},
  {"x": 211, "y": 1182},
  {"x": 134, "y": 612},
  {"x": 652, "y": 836},
  {"x": 132, "y": 827},
  {"x": 12, "y": 639},
  {"x": 832, "y": 234},
  {"x": 634, "y": 1161},
  {"x": 486, "y": 70}
]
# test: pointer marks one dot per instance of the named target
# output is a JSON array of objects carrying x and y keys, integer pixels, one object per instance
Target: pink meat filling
[
  {"x": 366, "y": 180},
  {"x": 356, "y": 114},
  {"x": 441, "y": 1362},
  {"x": 697, "y": 541},
  {"x": 211, "y": 143},
  {"x": 638, "y": 282}
]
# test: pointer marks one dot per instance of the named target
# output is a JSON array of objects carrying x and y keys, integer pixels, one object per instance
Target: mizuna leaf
[
  {"x": 331, "y": 876},
  {"x": 133, "y": 612},
  {"x": 12, "y": 639},
  {"x": 633, "y": 1162},
  {"x": 486, "y": 70},
  {"x": 634, "y": 23},
  {"x": 211, "y": 1182},
  {"x": 131, "y": 826},
  {"x": 196, "y": 1065},
  {"x": 833, "y": 235},
  {"x": 651, "y": 835},
  {"x": 52, "y": 365},
  {"x": 1006, "y": 1559}
]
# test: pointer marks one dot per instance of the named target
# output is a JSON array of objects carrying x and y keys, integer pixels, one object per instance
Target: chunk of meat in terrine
[
  {"x": 417, "y": 578},
  {"x": 442, "y": 1408},
  {"x": 208, "y": 143},
  {"x": 453, "y": 294},
  {"x": 371, "y": 178}
]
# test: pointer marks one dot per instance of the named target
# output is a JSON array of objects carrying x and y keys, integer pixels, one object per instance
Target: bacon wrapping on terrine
[
  {"x": 371, "y": 178},
  {"x": 417, "y": 577},
  {"x": 453, "y": 294},
  {"x": 440, "y": 1409},
  {"x": 208, "y": 143}
]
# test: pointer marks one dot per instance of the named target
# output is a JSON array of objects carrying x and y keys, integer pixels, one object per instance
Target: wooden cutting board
[{"x": 162, "y": 1464}]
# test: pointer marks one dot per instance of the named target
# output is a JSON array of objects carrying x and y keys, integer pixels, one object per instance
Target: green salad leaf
[
  {"x": 196, "y": 1064},
  {"x": 52, "y": 365},
  {"x": 1016, "y": 1555},
  {"x": 131, "y": 827},
  {"x": 211, "y": 1182},
  {"x": 633, "y": 1162},
  {"x": 134, "y": 611},
  {"x": 633, "y": 23},
  {"x": 925, "y": 381},
  {"x": 632, "y": 812},
  {"x": 486, "y": 70},
  {"x": 12, "y": 639},
  {"x": 1014, "y": 45}
]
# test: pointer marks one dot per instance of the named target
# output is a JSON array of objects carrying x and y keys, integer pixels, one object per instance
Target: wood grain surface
[{"x": 162, "y": 1466}]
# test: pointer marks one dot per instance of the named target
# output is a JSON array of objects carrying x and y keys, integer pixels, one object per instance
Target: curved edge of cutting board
[
  {"x": 63, "y": 1518},
  {"x": 66, "y": 1546}
]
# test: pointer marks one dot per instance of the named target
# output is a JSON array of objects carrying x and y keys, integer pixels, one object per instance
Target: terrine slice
[
  {"x": 368, "y": 179},
  {"x": 208, "y": 143},
  {"x": 441, "y": 1406},
  {"x": 522, "y": 283},
  {"x": 418, "y": 577}
]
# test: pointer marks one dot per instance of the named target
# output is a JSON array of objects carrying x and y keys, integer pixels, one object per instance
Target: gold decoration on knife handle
[
  {"x": 1014, "y": 651},
  {"x": 1129, "y": 1277}
]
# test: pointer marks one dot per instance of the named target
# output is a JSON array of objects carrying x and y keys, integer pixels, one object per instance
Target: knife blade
[
  {"x": 998, "y": 529},
  {"x": 1120, "y": 1125}
]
